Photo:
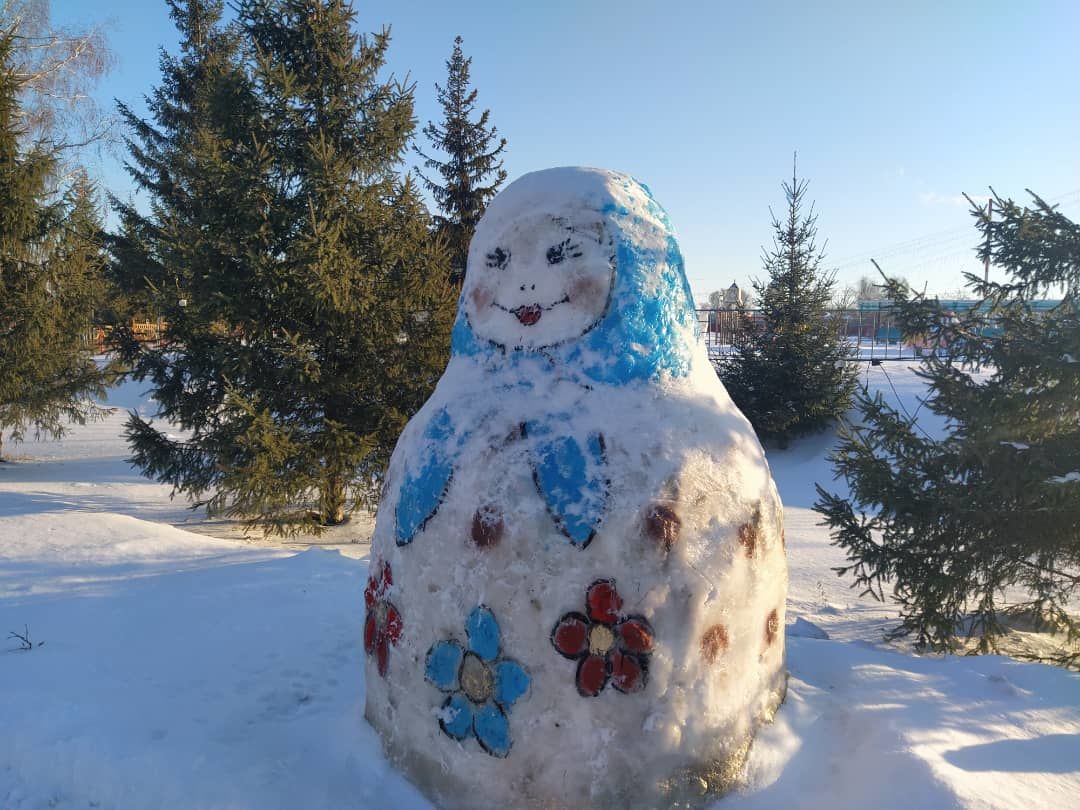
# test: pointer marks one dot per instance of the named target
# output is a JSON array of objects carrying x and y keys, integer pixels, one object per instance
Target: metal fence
[{"x": 870, "y": 334}]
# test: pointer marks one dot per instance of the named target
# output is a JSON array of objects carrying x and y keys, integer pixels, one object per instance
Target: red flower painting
[
  {"x": 609, "y": 646},
  {"x": 382, "y": 626}
]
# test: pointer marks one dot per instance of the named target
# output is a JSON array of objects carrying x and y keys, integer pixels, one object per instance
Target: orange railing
[{"x": 142, "y": 331}]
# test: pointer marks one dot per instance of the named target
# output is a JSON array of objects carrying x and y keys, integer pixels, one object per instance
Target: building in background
[{"x": 734, "y": 298}]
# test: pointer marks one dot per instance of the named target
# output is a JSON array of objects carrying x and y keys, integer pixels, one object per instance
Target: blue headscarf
[{"x": 650, "y": 313}]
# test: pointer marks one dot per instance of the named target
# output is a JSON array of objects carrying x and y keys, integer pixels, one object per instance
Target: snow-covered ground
[{"x": 180, "y": 670}]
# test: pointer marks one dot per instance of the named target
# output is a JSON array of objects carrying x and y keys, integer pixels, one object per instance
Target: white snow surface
[
  {"x": 1067, "y": 478},
  {"x": 179, "y": 671}
]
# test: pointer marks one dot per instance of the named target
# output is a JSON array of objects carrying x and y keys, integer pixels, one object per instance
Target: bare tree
[
  {"x": 868, "y": 289},
  {"x": 846, "y": 298},
  {"x": 56, "y": 67}
]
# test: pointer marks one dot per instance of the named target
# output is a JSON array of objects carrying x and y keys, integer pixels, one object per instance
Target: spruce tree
[
  {"x": 988, "y": 515},
  {"x": 307, "y": 302},
  {"x": 182, "y": 159},
  {"x": 51, "y": 280},
  {"x": 790, "y": 373},
  {"x": 472, "y": 171}
]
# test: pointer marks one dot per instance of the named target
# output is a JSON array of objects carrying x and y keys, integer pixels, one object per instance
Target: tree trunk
[{"x": 333, "y": 501}]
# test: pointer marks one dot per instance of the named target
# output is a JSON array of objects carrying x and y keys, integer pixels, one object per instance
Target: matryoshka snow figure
[{"x": 578, "y": 576}]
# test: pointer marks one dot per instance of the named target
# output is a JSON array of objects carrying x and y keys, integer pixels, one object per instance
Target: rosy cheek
[
  {"x": 585, "y": 291},
  {"x": 482, "y": 297}
]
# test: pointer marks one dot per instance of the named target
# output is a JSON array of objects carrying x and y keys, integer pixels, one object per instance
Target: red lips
[{"x": 528, "y": 315}]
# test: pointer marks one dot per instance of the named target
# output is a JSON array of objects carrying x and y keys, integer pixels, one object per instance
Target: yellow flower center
[
  {"x": 476, "y": 680},
  {"x": 601, "y": 639}
]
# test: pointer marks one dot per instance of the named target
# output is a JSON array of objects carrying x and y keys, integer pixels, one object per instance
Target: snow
[
  {"x": 178, "y": 671},
  {"x": 866, "y": 727},
  {"x": 801, "y": 628},
  {"x": 1067, "y": 478},
  {"x": 181, "y": 671}
]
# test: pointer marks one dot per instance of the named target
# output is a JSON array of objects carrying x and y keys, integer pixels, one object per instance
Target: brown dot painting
[
  {"x": 714, "y": 642},
  {"x": 662, "y": 525},
  {"x": 772, "y": 627},
  {"x": 487, "y": 527},
  {"x": 748, "y": 538},
  {"x": 750, "y": 533}
]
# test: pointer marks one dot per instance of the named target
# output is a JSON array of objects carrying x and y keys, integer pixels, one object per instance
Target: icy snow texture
[{"x": 578, "y": 434}]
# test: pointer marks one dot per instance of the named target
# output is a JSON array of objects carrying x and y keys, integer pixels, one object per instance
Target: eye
[
  {"x": 498, "y": 258},
  {"x": 556, "y": 254}
]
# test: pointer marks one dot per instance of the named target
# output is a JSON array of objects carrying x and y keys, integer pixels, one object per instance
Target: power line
[
  {"x": 947, "y": 247},
  {"x": 938, "y": 244}
]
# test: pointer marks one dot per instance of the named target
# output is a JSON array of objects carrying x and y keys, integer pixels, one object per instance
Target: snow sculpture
[{"x": 578, "y": 574}]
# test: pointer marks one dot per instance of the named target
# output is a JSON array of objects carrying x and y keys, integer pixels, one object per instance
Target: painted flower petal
[
  {"x": 393, "y": 625},
  {"x": 443, "y": 663},
  {"x": 570, "y": 636},
  {"x": 369, "y": 633},
  {"x": 636, "y": 634},
  {"x": 369, "y": 592},
  {"x": 483, "y": 632},
  {"x": 511, "y": 682},
  {"x": 382, "y": 653},
  {"x": 492, "y": 730},
  {"x": 628, "y": 672},
  {"x": 592, "y": 675},
  {"x": 457, "y": 717},
  {"x": 603, "y": 601},
  {"x": 387, "y": 578}
]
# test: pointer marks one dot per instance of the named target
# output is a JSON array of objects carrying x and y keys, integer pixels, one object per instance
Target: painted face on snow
[{"x": 543, "y": 279}]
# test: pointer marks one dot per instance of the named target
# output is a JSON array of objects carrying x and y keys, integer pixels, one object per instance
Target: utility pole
[{"x": 986, "y": 262}]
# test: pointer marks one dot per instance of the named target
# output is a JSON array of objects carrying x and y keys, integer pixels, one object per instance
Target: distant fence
[
  {"x": 142, "y": 331},
  {"x": 870, "y": 334}
]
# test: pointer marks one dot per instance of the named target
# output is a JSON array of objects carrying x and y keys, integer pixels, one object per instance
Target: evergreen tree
[
  {"x": 51, "y": 279},
  {"x": 790, "y": 373},
  {"x": 307, "y": 302},
  {"x": 183, "y": 159},
  {"x": 951, "y": 522},
  {"x": 472, "y": 171}
]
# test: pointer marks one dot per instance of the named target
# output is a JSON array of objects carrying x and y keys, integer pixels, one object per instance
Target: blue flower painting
[{"x": 480, "y": 685}]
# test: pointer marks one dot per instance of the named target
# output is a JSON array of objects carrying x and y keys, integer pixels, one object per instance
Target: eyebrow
[{"x": 597, "y": 231}]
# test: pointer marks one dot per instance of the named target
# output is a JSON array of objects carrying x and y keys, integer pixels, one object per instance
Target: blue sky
[{"x": 895, "y": 111}]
